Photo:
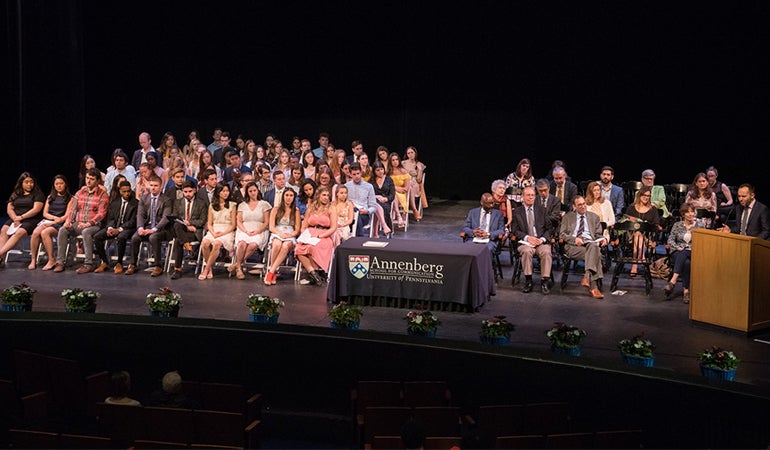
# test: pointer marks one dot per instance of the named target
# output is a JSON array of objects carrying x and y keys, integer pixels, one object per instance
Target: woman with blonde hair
[{"x": 321, "y": 223}]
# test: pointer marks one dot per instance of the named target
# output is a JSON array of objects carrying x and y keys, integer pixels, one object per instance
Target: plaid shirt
[{"x": 90, "y": 207}]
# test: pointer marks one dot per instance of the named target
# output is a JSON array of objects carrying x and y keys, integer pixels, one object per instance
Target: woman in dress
[
  {"x": 384, "y": 193},
  {"x": 252, "y": 221},
  {"x": 366, "y": 170},
  {"x": 25, "y": 206},
  {"x": 206, "y": 161},
  {"x": 642, "y": 209},
  {"x": 680, "y": 246},
  {"x": 55, "y": 212},
  {"x": 307, "y": 189},
  {"x": 382, "y": 156},
  {"x": 339, "y": 155},
  {"x": 221, "y": 227},
  {"x": 416, "y": 170},
  {"x": 700, "y": 196},
  {"x": 260, "y": 158},
  {"x": 284, "y": 163},
  {"x": 324, "y": 177},
  {"x": 321, "y": 222},
  {"x": 517, "y": 180},
  {"x": 401, "y": 180},
  {"x": 284, "y": 228},
  {"x": 600, "y": 206},
  {"x": 296, "y": 178},
  {"x": 309, "y": 164},
  {"x": 345, "y": 213},
  {"x": 249, "y": 150},
  {"x": 167, "y": 142}
]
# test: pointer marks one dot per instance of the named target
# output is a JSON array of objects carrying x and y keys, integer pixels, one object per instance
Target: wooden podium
[{"x": 730, "y": 280}]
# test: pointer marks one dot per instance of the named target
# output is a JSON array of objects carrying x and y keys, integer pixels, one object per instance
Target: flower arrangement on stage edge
[
  {"x": 421, "y": 321},
  {"x": 344, "y": 314},
  {"x": 496, "y": 327},
  {"x": 563, "y": 335},
  {"x": 18, "y": 294},
  {"x": 719, "y": 358},
  {"x": 164, "y": 300},
  {"x": 264, "y": 304},
  {"x": 637, "y": 346},
  {"x": 76, "y": 299}
]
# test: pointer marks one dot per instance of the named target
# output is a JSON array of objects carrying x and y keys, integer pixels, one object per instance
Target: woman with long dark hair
[
  {"x": 285, "y": 224},
  {"x": 252, "y": 226},
  {"x": 221, "y": 227},
  {"x": 55, "y": 211},
  {"x": 24, "y": 209}
]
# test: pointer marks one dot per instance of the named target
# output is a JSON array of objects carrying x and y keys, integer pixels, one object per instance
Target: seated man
[
  {"x": 193, "y": 214},
  {"x": 121, "y": 224},
  {"x": 151, "y": 219},
  {"x": 532, "y": 230},
  {"x": 361, "y": 194},
  {"x": 485, "y": 224},
  {"x": 563, "y": 189},
  {"x": 583, "y": 238},
  {"x": 549, "y": 201}
]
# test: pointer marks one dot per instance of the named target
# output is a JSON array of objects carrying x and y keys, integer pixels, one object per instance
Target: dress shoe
[
  {"x": 177, "y": 274},
  {"x": 187, "y": 246},
  {"x": 157, "y": 271},
  {"x": 102, "y": 267},
  {"x": 58, "y": 267},
  {"x": 268, "y": 278},
  {"x": 118, "y": 268},
  {"x": 668, "y": 289},
  {"x": 317, "y": 277},
  {"x": 596, "y": 293},
  {"x": 84, "y": 269},
  {"x": 585, "y": 283},
  {"x": 131, "y": 269},
  {"x": 527, "y": 287},
  {"x": 686, "y": 298},
  {"x": 544, "y": 288}
]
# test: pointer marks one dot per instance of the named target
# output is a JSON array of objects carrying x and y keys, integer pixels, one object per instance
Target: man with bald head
[{"x": 485, "y": 224}]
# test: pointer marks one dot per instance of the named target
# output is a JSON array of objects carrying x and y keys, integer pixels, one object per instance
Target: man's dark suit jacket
[
  {"x": 203, "y": 194},
  {"x": 552, "y": 210},
  {"x": 163, "y": 210},
  {"x": 542, "y": 223},
  {"x": 199, "y": 214},
  {"x": 129, "y": 216},
  {"x": 759, "y": 221},
  {"x": 570, "y": 191}
]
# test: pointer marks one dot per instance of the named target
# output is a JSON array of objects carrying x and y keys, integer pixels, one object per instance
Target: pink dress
[{"x": 321, "y": 253}]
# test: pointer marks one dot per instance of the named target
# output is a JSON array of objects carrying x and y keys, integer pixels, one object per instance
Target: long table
[{"x": 412, "y": 269}]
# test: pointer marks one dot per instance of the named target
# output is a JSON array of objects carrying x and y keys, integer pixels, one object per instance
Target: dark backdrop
[{"x": 476, "y": 87}]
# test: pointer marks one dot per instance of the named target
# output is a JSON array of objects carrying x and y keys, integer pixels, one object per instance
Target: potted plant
[
  {"x": 164, "y": 303},
  {"x": 263, "y": 308},
  {"x": 421, "y": 323},
  {"x": 78, "y": 300},
  {"x": 566, "y": 338},
  {"x": 716, "y": 362},
  {"x": 18, "y": 297},
  {"x": 638, "y": 351},
  {"x": 343, "y": 315},
  {"x": 496, "y": 331}
]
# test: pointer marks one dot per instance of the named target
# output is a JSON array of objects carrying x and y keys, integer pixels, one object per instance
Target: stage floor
[{"x": 606, "y": 321}]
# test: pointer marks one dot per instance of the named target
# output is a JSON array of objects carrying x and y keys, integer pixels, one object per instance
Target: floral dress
[{"x": 222, "y": 221}]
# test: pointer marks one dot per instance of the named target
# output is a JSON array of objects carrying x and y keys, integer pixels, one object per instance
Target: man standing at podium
[{"x": 752, "y": 218}]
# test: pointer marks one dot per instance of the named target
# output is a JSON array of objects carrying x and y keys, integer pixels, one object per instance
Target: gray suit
[{"x": 591, "y": 252}]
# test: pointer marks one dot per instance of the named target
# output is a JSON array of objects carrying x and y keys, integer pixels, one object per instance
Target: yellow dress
[{"x": 402, "y": 180}]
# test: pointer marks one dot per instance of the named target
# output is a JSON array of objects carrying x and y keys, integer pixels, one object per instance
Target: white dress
[
  {"x": 253, "y": 219},
  {"x": 222, "y": 222}
]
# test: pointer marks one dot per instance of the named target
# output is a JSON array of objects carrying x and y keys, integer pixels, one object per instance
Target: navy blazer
[
  {"x": 617, "y": 200},
  {"x": 759, "y": 221},
  {"x": 542, "y": 223},
  {"x": 496, "y": 223}
]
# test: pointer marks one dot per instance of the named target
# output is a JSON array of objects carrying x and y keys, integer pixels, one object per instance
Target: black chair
[
  {"x": 630, "y": 188},
  {"x": 624, "y": 251},
  {"x": 676, "y": 194},
  {"x": 529, "y": 441},
  {"x": 570, "y": 440}
]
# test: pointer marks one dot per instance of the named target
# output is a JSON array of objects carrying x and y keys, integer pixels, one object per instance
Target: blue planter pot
[
  {"x": 718, "y": 374},
  {"x": 572, "y": 351},
  {"x": 644, "y": 361},
  {"x": 17, "y": 308},
  {"x": 427, "y": 333},
  {"x": 345, "y": 326},
  {"x": 164, "y": 313},
  {"x": 263, "y": 318},
  {"x": 497, "y": 341}
]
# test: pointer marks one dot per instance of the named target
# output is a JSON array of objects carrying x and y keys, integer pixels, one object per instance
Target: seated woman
[
  {"x": 600, "y": 206},
  {"x": 416, "y": 169},
  {"x": 285, "y": 225},
  {"x": 502, "y": 202},
  {"x": 307, "y": 189},
  {"x": 384, "y": 193},
  {"x": 517, "y": 180},
  {"x": 252, "y": 223},
  {"x": 642, "y": 209},
  {"x": 680, "y": 246},
  {"x": 324, "y": 177},
  {"x": 657, "y": 192},
  {"x": 700, "y": 196},
  {"x": 345, "y": 213},
  {"x": 366, "y": 169},
  {"x": 221, "y": 227},
  {"x": 25, "y": 206},
  {"x": 120, "y": 386},
  {"x": 55, "y": 212},
  {"x": 320, "y": 222},
  {"x": 309, "y": 164},
  {"x": 401, "y": 179},
  {"x": 296, "y": 178},
  {"x": 382, "y": 156}
]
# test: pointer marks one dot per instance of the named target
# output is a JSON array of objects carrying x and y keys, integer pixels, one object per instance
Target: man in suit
[
  {"x": 485, "y": 224},
  {"x": 193, "y": 214},
  {"x": 752, "y": 218},
  {"x": 206, "y": 192},
  {"x": 549, "y": 202},
  {"x": 151, "y": 223},
  {"x": 530, "y": 224},
  {"x": 275, "y": 194},
  {"x": 121, "y": 224},
  {"x": 563, "y": 189},
  {"x": 234, "y": 156},
  {"x": 145, "y": 147},
  {"x": 583, "y": 238},
  {"x": 357, "y": 148},
  {"x": 612, "y": 192}
]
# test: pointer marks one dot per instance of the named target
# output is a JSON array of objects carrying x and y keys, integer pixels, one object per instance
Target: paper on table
[
  {"x": 306, "y": 238},
  {"x": 378, "y": 244}
]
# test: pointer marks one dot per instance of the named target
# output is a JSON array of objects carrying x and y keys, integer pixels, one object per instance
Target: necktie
[
  {"x": 531, "y": 222},
  {"x": 581, "y": 226},
  {"x": 153, "y": 206},
  {"x": 187, "y": 210},
  {"x": 122, "y": 212},
  {"x": 543, "y": 200},
  {"x": 484, "y": 216},
  {"x": 744, "y": 220},
  {"x": 560, "y": 193}
]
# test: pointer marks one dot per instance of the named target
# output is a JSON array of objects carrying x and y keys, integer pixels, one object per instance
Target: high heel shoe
[
  {"x": 202, "y": 276},
  {"x": 239, "y": 274},
  {"x": 268, "y": 278}
]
